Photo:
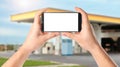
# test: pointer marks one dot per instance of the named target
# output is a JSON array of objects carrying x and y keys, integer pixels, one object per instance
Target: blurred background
[{"x": 104, "y": 16}]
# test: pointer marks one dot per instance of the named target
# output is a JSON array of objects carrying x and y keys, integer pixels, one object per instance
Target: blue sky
[{"x": 15, "y": 33}]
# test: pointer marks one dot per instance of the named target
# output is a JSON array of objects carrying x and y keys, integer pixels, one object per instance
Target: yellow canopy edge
[{"x": 28, "y": 16}]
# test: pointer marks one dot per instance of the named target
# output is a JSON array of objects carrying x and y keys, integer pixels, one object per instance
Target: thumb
[
  {"x": 51, "y": 35},
  {"x": 67, "y": 34}
]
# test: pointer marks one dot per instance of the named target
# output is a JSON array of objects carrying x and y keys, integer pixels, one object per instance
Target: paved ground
[{"x": 86, "y": 60}]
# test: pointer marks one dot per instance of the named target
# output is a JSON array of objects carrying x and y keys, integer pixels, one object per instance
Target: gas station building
[{"x": 106, "y": 29}]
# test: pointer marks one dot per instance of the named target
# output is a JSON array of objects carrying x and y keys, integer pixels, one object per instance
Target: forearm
[
  {"x": 101, "y": 57},
  {"x": 18, "y": 59}
]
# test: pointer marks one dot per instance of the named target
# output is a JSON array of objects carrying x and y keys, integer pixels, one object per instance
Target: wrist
[
  {"x": 95, "y": 48},
  {"x": 25, "y": 48},
  {"x": 31, "y": 46}
]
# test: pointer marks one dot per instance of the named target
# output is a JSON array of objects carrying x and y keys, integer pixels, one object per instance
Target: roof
[{"x": 29, "y": 16}]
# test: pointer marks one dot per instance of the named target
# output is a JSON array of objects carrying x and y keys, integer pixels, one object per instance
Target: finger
[
  {"x": 77, "y": 32},
  {"x": 84, "y": 14},
  {"x": 41, "y": 33},
  {"x": 56, "y": 33},
  {"x": 37, "y": 16},
  {"x": 45, "y": 33},
  {"x": 85, "y": 20},
  {"x": 51, "y": 35},
  {"x": 37, "y": 25},
  {"x": 67, "y": 34},
  {"x": 80, "y": 10}
]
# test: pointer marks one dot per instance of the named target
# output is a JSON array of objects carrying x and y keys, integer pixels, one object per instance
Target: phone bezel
[{"x": 79, "y": 22}]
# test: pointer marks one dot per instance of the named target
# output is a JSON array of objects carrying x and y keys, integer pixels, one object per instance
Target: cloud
[
  {"x": 12, "y": 32},
  {"x": 18, "y": 6}
]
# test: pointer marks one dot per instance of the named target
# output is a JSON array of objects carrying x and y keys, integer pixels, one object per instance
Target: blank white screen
[{"x": 60, "y": 21}]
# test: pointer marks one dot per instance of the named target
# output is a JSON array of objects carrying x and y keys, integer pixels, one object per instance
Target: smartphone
[{"x": 61, "y": 22}]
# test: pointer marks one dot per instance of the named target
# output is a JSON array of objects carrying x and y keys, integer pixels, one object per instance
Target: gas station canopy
[{"x": 29, "y": 17}]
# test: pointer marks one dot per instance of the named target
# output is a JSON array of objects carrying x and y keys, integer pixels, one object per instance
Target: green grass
[
  {"x": 30, "y": 62},
  {"x": 35, "y": 63},
  {"x": 2, "y": 60}
]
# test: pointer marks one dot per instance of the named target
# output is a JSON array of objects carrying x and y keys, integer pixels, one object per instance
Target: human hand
[
  {"x": 36, "y": 37},
  {"x": 85, "y": 37}
]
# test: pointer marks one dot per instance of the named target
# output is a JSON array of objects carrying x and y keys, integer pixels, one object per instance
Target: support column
[
  {"x": 58, "y": 46},
  {"x": 74, "y": 45},
  {"x": 97, "y": 31},
  {"x": 77, "y": 49}
]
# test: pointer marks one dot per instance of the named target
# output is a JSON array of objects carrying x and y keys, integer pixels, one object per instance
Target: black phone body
[{"x": 61, "y": 22}]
